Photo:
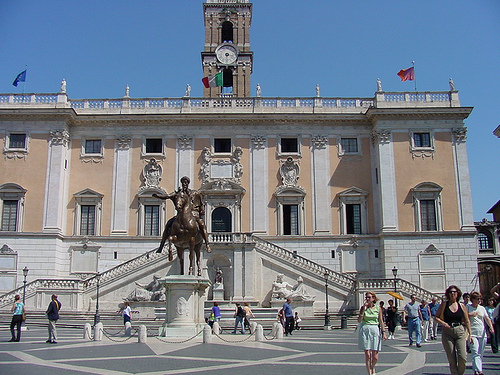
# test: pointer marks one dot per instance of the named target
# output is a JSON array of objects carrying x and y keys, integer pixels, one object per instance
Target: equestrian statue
[{"x": 187, "y": 229}]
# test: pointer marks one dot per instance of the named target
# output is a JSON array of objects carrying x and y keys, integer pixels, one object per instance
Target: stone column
[
  {"x": 121, "y": 187},
  {"x": 386, "y": 180},
  {"x": 320, "y": 169},
  {"x": 259, "y": 195},
  {"x": 56, "y": 183}
]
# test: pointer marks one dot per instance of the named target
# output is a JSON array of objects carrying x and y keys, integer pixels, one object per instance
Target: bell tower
[{"x": 227, "y": 47}]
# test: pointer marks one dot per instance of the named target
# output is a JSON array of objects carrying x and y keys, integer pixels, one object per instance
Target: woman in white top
[{"x": 478, "y": 316}]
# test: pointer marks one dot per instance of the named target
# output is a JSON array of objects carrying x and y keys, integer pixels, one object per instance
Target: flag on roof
[
  {"x": 407, "y": 74},
  {"x": 21, "y": 77},
  {"x": 212, "y": 80}
]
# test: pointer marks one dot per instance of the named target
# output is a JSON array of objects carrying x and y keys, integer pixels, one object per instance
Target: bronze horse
[{"x": 185, "y": 233}]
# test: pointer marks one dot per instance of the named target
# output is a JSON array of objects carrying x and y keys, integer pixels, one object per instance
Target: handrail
[
  {"x": 403, "y": 286},
  {"x": 346, "y": 282}
]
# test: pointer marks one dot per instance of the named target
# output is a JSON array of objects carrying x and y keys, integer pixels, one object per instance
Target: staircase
[{"x": 140, "y": 266}]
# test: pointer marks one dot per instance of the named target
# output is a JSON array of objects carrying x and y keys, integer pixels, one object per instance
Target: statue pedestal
[
  {"x": 218, "y": 292},
  {"x": 184, "y": 305},
  {"x": 304, "y": 308}
]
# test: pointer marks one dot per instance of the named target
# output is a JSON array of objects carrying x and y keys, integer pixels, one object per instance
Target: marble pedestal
[
  {"x": 304, "y": 308},
  {"x": 185, "y": 296},
  {"x": 218, "y": 292}
]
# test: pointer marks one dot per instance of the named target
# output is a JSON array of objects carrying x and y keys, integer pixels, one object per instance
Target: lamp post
[
  {"x": 327, "y": 314},
  {"x": 97, "y": 317},
  {"x": 395, "y": 273},
  {"x": 25, "y": 274}
]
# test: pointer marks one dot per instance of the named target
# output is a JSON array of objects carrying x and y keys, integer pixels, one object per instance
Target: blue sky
[{"x": 344, "y": 46}]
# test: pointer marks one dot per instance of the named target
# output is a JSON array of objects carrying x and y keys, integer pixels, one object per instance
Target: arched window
[
  {"x": 221, "y": 220},
  {"x": 485, "y": 241},
  {"x": 227, "y": 32}
]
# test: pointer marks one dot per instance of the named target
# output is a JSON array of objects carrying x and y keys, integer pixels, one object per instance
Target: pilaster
[
  {"x": 259, "y": 219},
  {"x": 185, "y": 158},
  {"x": 320, "y": 168},
  {"x": 387, "y": 180},
  {"x": 56, "y": 186},
  {"x": 121, "y": 187}
]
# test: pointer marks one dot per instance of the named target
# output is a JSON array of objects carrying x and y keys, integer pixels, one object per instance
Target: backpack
[{"x": 241, "y": 313}]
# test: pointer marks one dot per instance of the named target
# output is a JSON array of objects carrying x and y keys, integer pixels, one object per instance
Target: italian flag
[{"x": 212, "y": 80}]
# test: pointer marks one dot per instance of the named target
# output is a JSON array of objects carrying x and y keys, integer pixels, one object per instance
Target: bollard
[
  {"x": 142, "y": 337},
  {"x": 207, "y": 334},
  {"x": 128, "y": 329},
  {"x": 87, "y": 332},
  {"x": 98, "y": 332},
  {"x": 253, "y": 327},
  {"x": 216, "y": 328},
  {"x": 259, "y": 333},
  {"x": 277, "y": 330},
  {"x": 343, "y": 322}
]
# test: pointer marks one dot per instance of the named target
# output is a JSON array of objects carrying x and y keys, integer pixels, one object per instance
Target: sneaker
[
  {"x": 48, "y": 341},
  {"x": 411, "y": 344},
  {"x": 418, "y": 345}
]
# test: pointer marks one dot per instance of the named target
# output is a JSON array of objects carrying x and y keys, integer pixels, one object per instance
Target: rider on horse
[{"x": 198, "y": 212}]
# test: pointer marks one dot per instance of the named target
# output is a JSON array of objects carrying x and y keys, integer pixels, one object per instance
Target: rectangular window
[
  {"x": 222, "y": 145},
  {"x": 93, "y": 146},
  {"x": 152, "y": 220},
  {"x": 428, "y": 219},
  {"x": 87, "y": 220},
  {"x": 154, "y": 146},
  {"x": 9, "y": 215},
  {"x": 422, "y": 139},
  {"x": 291, "y": 219},
  {"x": 349, "y": 145},
  {"x": 289, "y": 145},
  {"x": 17, "y": 141},
  {"x": 353, "y": 218}
]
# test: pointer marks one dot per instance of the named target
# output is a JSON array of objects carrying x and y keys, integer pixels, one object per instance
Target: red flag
[{"x": 407, "y": 74}]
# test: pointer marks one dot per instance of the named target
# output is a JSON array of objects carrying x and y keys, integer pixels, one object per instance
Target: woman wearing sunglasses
[{"x": 453, "y": 317}]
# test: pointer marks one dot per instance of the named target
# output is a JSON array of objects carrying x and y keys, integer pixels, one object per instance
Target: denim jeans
[
  {"x": 239, "y": 320},
  {"x": 414, "y": 326}
]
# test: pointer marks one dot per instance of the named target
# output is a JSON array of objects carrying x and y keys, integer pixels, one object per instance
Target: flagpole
[
  {"x": 24, "y": 83},
  {"x": 414, "y": 75}
]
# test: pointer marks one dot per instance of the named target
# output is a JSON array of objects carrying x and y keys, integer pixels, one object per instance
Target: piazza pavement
[{"x": 305, "y": 352}]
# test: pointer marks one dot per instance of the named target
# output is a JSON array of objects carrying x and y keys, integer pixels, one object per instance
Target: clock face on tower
[{"x": 226, "y": 54}]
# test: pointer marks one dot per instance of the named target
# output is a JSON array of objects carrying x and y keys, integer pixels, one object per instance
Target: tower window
[
  {"x": 227, "y": 32},
  {"x": 227, "y": 78},
  {"x": 485, "y": 241}
]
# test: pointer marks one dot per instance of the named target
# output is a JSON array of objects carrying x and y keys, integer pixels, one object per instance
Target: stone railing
[
  {"x": 124, "y": 269},
  {"x": 72, "y": 285},
  {"x": 244, "y": 105},
  {"x": 402, "y": 286},
  {"x": 86, "y": 285},
  {"x": 334, "y": 278}
]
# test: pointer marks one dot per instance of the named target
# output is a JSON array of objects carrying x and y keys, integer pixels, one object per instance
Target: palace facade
[{"x": 342, "y": 190}]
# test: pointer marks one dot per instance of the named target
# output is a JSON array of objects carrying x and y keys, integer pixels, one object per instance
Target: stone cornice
[{"x": 374, "y": 114}]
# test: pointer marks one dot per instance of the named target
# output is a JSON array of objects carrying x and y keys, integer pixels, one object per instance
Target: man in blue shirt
[
  {"x": 287, "y": 309},
  {"x": 434, "y": 306},
  {"x": 414, "y": 319}
]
